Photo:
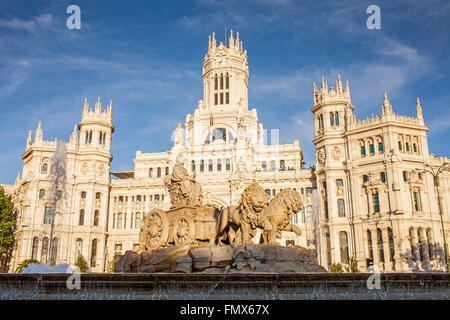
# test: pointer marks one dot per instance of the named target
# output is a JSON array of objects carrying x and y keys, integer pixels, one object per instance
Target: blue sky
[{"x": 146, "y": 56}]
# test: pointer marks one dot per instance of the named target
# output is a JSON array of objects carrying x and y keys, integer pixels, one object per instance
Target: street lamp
[{"x": 435, "y": 174}]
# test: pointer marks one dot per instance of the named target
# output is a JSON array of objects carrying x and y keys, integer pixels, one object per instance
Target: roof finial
[{"x": 419, "y": 109}]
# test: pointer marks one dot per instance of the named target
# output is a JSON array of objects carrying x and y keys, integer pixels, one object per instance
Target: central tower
[{"x": 225, "y": 75}]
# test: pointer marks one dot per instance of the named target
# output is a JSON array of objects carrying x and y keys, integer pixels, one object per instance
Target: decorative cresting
[{"x": 190, "y": 223}]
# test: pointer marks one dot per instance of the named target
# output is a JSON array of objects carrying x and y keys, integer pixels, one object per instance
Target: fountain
[
  {"x": 316, "y": 213},
  {"x": 58, "y": 187}
]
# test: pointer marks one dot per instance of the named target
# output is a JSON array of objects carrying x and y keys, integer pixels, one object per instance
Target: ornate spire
[
  {"x": 29, "y": 139},
  {"x": 237, "y": 41},
  {"x": 231, "y": 39},
  {"x": 17, "y": 182},
  {"x": 98, "y": 106},
  {"x": 38, "y": 136},
  {"x": 339, "y": 84},
  {"x": 386, "y": 108},
  {"x": 74, "y": 136},
  {"x": 419, "y": 109}
]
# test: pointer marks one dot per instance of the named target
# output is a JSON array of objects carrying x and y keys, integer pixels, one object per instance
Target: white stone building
[{"x": 365, "y": 177}]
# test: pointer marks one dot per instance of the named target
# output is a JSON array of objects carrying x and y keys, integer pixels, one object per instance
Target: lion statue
[{"x": 256, "y": 211}]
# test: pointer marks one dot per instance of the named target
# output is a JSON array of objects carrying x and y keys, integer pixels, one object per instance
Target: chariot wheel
[
  {"x": 154, "y": 230},
  {"x": 184, "y": 230}
]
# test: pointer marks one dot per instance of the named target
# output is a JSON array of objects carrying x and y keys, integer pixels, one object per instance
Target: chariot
[{"x": 177, "y": 226}]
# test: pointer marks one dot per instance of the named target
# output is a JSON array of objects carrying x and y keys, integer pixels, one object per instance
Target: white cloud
[{"x": 30, "y": 25}]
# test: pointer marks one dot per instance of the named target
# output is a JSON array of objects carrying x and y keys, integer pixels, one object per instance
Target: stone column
[
  {"x": 386, "y": 250},
  {"x": 425, "y": 253},
  {"x": 376, "y": 260},
  {"x": 415, "y": 247}
]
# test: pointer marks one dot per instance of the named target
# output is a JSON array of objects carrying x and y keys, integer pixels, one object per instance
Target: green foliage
[
  {"x": 351, "y": 266},
  {"x": 7, "y": 221},
  {"x": 82, "y": 264},
  {"x": 110, "y": 266},
  {"x": 336, "y": 267},
  {"x": 25, "y": 263}
]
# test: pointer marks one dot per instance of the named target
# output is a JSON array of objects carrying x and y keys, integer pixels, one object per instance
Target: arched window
[
  {"x": 41, "y": 193},
  {"x": 98, "y": 195},
  {"x": 380, "y": 147},
  {"x": 193, "y": 165},
  {"x": 400, "y": 147},
  {"x": 150, "y": 172},
  {"x": 96, "y": 217},
  {"x": 407, "y": 146},
  {"x": 332, "y": 119},
  {"x": 94, "y": 253},
  {"x": 100, "y": 138},
  {"x": 35, "y": 248},
  {"x": 372, "y": 148},
  {"x": 267, "y": 192},
  {"x": 336, "y": 118},
  {"x": 137, "y": 222},
  {"x": 202, "y": 166},
  {"x": 415, "y": 148},
  {"x": 341, "y": 207},
  {"x": 167, "y": 171},
  {"x": 219, "y": 134},
  {"x": 282, "y": 165},
  {"x": 158, "y": 172},
  {"x": 343, "y": 244},
  {"x": 339, "y": 183},
  {"x": 363, "y": 148},
  {"x": 156, "y": 197},
  {"x": 83, "y": 195},
  {"x": 120, "y": 220},
  {"x": 369, "y": 244},
  {"x": 44, "y": 168},
  {"x": 81, "y": 218},
  {"x": 44, "y": 250},
  {"x": 380, "y": 245}
]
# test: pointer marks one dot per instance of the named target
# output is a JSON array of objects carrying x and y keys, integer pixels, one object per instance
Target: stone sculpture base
[{"x": 252, "y": 258}]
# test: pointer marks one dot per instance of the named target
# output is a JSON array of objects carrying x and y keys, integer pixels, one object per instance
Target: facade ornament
[
  {"x": 321, "y": 156},
  {"x": 336, "y": 153}
]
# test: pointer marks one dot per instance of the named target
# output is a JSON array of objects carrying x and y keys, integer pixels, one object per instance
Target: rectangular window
[
  {"x": 81, "y": 218},
  {"x": 264, "y": 166},
  {"x": 158, "y": 173},
  {"x": 227, "y": 82},
  {"x": 221, "y": 82},
  {"x": 341, "y": 208},
  {"x": 193, "y": 166},
  {"x": 219, "y": 165},
  {"x": 376, "y": 202},
  {"x": 228, "y": 165},
  {"x": 416, "y": 199},
  {"x": 400, "y": 145},
  {"x": 202, "y": 165},
  {"x": 383, "y": 177},
  {"x": 372, "y": 149},
  {"x": 216, "y": 95},
  {"x": 380, "y": 147},
  {"x": 48, "y": 215},
  {"x": 221, "y": 98},
  {"x": 227, "y": 97},
  {"x": 210, "y": 166}
]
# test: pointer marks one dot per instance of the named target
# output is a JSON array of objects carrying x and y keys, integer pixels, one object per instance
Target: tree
[
  {"x": 110, "y": 266},
  {"x": 26, "y": 263},
  {"x": 7, "y": 227},
  {"x": 336, "y": 267},
  {"x": 351, "y": 266},
  {"x": 82, "y": 264}
]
